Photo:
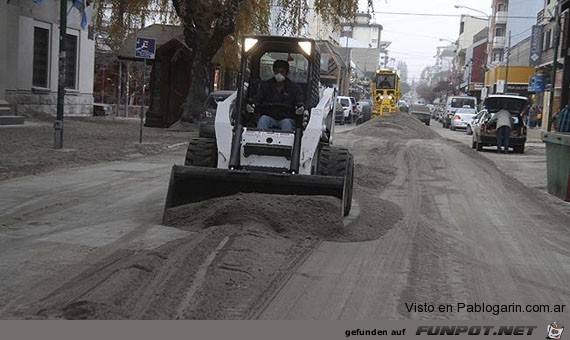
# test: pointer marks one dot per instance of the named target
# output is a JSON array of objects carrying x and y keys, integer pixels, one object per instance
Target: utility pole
[
  {"x": 554, "y": 65},
  {"x": 58, "y": 124},
  {"x": 508, "y": 54}
]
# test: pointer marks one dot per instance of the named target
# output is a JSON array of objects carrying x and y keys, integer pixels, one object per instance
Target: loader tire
[
  {"x": 338, "y": 162},
  {"x": 202, "y": 152}
]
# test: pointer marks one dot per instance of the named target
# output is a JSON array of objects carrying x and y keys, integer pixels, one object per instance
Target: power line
[
  {"x": 449, "y": 15},
  {"x": 413, "y": 34},
  {"x": 521, "y": 33}
]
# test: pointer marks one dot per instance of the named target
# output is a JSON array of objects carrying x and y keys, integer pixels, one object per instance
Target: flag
[
  {"x": 38, "y": 2},
  {"x": 81, "y": 7}
]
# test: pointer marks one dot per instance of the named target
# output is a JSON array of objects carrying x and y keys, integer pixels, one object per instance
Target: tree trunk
[
  {"x": 203, "y": 51},
  {"x": 204, "y": 33},
  {"x": 199, "y": 82}
]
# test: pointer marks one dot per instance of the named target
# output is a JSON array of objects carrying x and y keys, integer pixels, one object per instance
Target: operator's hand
[
  {"x": 300, "y": 110},
  {"x": 249, "y": 108}
]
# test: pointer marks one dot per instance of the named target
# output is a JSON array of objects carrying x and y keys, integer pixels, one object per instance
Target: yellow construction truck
[{"x": 384, "y": 92}]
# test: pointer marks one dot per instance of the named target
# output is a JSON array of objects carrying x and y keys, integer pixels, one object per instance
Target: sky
[{"x": 415, "y": 37}]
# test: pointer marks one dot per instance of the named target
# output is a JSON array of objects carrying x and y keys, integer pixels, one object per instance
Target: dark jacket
[
  {"x": 563, "y": 120},
  {"x": 268, "y": 93}
]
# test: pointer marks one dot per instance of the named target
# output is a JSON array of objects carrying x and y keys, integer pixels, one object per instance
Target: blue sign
[
  {"x": 145, "y": 48},
  {"x": 537, "y": 83}
]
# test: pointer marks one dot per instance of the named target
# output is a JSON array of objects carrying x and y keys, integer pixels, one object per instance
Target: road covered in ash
[{"x": 434, "y": 224}]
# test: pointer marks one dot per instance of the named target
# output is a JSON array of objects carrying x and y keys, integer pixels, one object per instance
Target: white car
[
  {"x": 344, "y": 113},
  {"x": 462, "y": 117},
  {"x": 471, "y": 125}
]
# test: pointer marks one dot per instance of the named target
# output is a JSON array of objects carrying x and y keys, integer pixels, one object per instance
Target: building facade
[
  {"x": 474, "y": 70},
  {"x": 31, "y": 63},
  {"x": 509, "y": 53},
  {"x": 550, "y": 96},
  {"x": 362, "y": 37}
]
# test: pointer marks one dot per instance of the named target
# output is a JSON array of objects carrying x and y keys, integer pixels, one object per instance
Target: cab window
[{"x": 298, "y": 66}]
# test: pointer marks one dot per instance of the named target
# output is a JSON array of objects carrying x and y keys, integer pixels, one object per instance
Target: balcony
[
  {"x": 499, "y": 42},
  {"x": 540, "y": 17},
  {"x": 501, "y": 18}
]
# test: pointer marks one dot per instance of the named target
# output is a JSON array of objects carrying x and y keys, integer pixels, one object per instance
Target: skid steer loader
[{"x": 241, "y": 158}]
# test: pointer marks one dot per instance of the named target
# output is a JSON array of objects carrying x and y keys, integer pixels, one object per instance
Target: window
[
  {"x": 462, "y": 27},
  {"x": 501, "y": 8},
  {"x": 41, "y": 57},
  {"x": 547, "y": 40},
  {"x": 298, "y": 65},
  {"x": 499, "y": 32},
  {"x": 71, "y": 62},
  {"x": 498, "y": 55}
]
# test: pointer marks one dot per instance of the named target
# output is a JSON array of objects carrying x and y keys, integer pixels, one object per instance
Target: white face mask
[{"x": 279, "y": 77}]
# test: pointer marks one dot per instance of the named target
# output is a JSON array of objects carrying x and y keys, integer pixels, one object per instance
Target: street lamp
[
  {"x": 489, "y": 42},
  {"x": 475, "y": 10}
]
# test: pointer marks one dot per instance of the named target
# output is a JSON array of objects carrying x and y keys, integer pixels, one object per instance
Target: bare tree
[{"x": 214, "y": 25}]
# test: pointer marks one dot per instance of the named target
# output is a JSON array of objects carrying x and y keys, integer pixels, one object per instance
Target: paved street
[
  {"x": 449, "y": 225},
  {"x": 470, "y": 233}
]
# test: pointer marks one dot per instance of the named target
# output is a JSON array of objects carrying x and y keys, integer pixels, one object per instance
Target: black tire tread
[
  {"x": 202, "y": 152},
  {"x": 338, "y": 162}
]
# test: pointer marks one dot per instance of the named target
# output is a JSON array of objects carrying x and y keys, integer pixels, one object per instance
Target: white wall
[
  {"x": 3, "y": 49},
  {"x": 471, "y": 27},
  {"x": 22, "y": 17}
]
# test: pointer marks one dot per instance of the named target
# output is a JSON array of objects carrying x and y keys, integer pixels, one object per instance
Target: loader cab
[
  {"x": 242, "y": 158},
  {"x": 258, "y": 55}
]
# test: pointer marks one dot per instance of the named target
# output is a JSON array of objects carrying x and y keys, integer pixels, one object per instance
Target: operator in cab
[{"x": 279, "y": 99}]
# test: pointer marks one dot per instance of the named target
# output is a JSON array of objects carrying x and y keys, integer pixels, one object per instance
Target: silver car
[{"x": 462, "y": 117}]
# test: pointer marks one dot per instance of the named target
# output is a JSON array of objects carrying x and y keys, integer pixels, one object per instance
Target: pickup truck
[{"x": 421, "y": 112}]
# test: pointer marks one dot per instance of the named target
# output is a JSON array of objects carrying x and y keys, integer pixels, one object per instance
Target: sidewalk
[
  {"x": 29, "y": 149},
  {"x": 528, "y": 168},
  {"x": 533, "y": 135}
]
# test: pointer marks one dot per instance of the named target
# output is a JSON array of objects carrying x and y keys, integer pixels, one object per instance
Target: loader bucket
[{"x": 189, "y": 184}]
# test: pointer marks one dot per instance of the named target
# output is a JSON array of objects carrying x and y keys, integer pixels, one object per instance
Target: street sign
[
  {"x": 145, "y": 48},
  {"x": 500, "y": 86},
  {"x": 535, "y": 44},
  {"x": 537, "y": 83}
]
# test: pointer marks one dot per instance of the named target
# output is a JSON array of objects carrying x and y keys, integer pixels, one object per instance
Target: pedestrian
[
  {"x": 504, "y": 127},
  {"x": 563, "y": 120},
  {"x": 539, "y": 115},
  {"x": 532, "y": 116}
]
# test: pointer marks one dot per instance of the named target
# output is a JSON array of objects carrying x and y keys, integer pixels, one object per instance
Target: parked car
[
  {"x": 208, "y": 114},
  {"x": 484, "y": 131},
  {"x": 403, "y": 106},
  {"x": 421, "y": 112},
  {"x": 462, "y": 118},
  {"x": 343, "y": 111},
  {"x": 470, "y": 125},
  {"x": 455, "y": 102},
  {"x": 431, "y": 108},
  {"x": 365, "y": 107},
  {"x": 355, "y": 108}
]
